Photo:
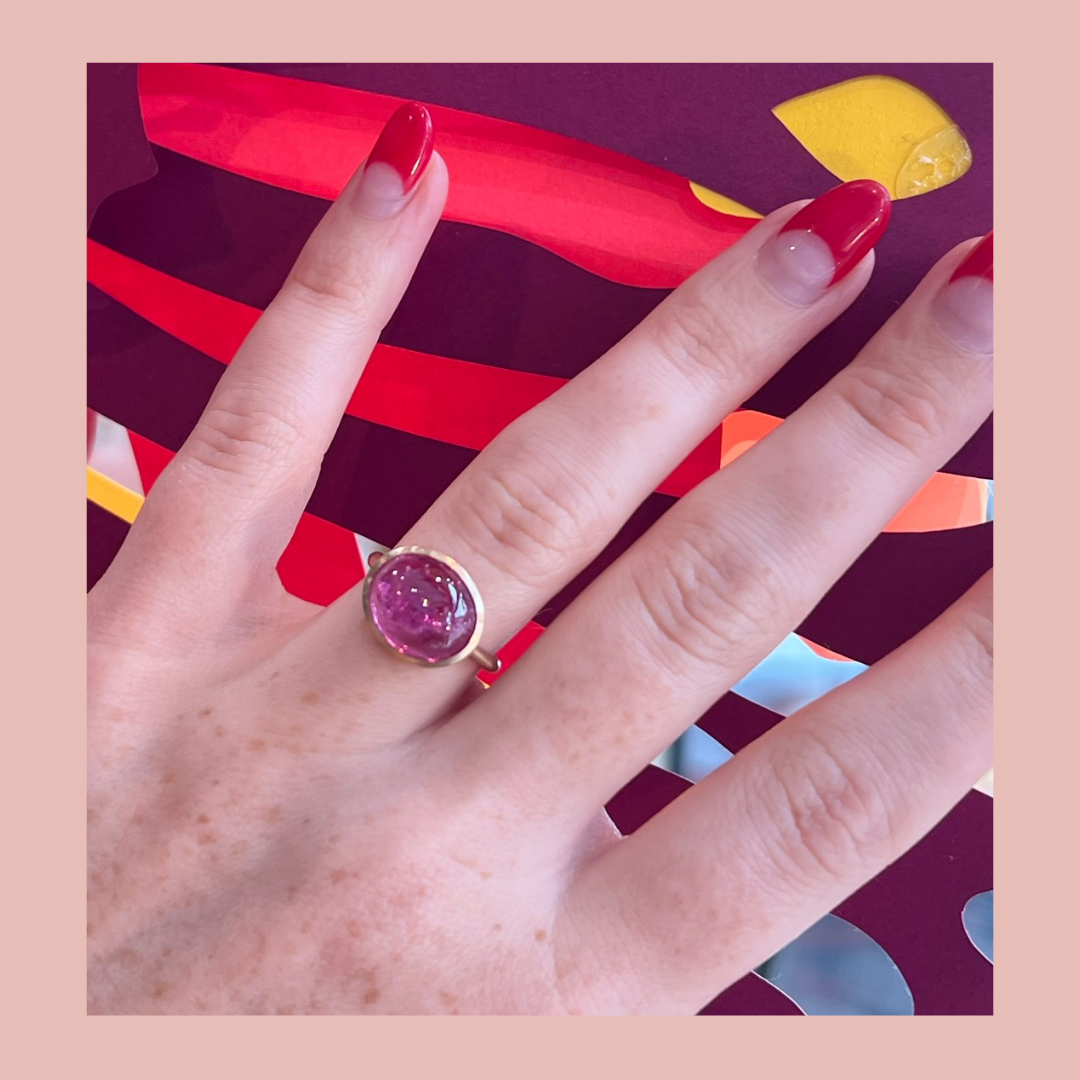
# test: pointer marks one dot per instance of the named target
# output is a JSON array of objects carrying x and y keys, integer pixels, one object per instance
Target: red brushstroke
[
  {"x": 150, "y": 458},
  {"x": 453, "y": 401},
  {"x": 612, "y": 215},
  {"x": 321, "y": 562},
  {"x": 513, "y": 651}
]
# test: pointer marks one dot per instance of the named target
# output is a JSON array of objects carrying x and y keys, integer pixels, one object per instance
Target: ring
[{"x": 425, "y": 607}]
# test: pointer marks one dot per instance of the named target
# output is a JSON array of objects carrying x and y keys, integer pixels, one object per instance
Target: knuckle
[
  {"x": 978, "y": 630},
  {"x": 332, "y": 283},
  {"x": 528, "y": 516},
  {"x": 244, "y": 441},
  {"x": 897, "y": 403},
  {"x": 829, "y": 813},
  {"x": 703, "y": 599},
  {"x": 700, "y": 340}
]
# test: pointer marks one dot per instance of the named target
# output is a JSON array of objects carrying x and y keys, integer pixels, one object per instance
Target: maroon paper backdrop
[{"x": 711, "y": 123}]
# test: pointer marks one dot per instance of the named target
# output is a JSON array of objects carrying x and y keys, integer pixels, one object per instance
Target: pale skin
[{"x": 284, "y": 817}]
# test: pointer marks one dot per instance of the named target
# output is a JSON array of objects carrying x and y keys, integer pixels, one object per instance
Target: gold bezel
[{"x": 474, "y": 641}]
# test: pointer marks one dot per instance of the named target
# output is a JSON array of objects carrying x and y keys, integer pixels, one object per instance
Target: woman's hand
[{"x": 285, "y": 818}]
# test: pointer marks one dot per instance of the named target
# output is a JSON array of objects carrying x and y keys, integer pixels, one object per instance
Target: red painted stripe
[
  {"x": 321, "y": 562},
  {"x": 453, "y": 401},
  {"x": 613, "y": 215}
]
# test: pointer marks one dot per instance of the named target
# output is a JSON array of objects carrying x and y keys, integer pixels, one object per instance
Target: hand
[{"x": 286, "y": 818}]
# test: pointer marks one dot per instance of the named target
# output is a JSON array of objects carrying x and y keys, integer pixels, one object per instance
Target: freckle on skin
[
  {"x": 485, "y": 875},
  {"x": 257, "y": 744},
  {"x": 206, "y": 838},
  {"x": 353, "y": 929},
  {"x": 335, "y": 839},
  {"x": 219, "y": 731},
  {"x": 541, "y": 935},
  {"x": 214, "y": 783},
  {"x": 447, "y": 998},
  {"x": 89, "y": 929},
  {"x": 371, "y": 996},
  {"x": 338, "y": 876},
  {"x": 275, "y": 813},
  {"x": 202, "y": 819},
  {"x": 168, "y": 778},
  {"x": 206, "y": 711},
  {"x": 310, "y": 698},
  {"x": 159, "y": 990},
  {"x": 274, "y": 675},
  {"x": 293, "y": 890}
]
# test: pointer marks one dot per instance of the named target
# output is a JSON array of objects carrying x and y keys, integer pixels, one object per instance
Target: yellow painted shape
[
  {"x": 879, "y": 128},
  {"x": 109, "y": 495},
  {"x": 715, "y": 201}
]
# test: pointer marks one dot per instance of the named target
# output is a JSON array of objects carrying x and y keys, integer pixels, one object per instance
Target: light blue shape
[
  {"x": 835, "y": 969},
  {"x": 697, "y": 754},
  {"x": 978, "y": 919},
  {"x": 793, "y": 675}
]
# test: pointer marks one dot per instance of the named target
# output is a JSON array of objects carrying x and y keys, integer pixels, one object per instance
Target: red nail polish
[
  {"x": 979, "y": 262},
  {"x": 849, "y": 218},
  {"x": 405, "y": 144}
]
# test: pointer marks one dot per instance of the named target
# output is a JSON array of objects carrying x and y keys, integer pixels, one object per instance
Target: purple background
[{"x": 711, "y": 123}]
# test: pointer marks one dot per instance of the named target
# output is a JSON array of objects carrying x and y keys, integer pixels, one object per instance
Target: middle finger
[{"x": 552, "y": 490}]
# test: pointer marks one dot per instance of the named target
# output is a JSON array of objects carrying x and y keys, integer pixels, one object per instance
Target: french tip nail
[
  {"x": 979, "y": 261},
  {"x": 825, "y": 240},
  {"x": 964, "y": 308},
  {"x": 850, "y": 218},
  {"x": 405, "y": 144}
]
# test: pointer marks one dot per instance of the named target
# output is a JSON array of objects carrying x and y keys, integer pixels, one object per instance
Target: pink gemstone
[{"x": 422, "y": 607}]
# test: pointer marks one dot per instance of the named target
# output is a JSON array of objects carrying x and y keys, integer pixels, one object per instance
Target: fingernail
[
  {"x": 397, "y": 161},
  {"x": 964, "y": 308},
  {"x": 825, "y": 241}
]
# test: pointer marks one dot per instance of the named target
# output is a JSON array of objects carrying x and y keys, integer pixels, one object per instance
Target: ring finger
[{"x": 742, "y": 559}]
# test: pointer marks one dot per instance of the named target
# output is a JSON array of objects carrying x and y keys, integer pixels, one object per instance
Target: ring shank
[{"x": 485, "y": 660}]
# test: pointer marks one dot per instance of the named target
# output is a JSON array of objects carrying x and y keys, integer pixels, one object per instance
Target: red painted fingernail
[
  {"x": 964, "y": 307},
  {"x": 980, "y": 260},
  {"x": 825, "y": 241},
  {"x": 405, "y": 144},
  {"x": 849, "y": 218}
]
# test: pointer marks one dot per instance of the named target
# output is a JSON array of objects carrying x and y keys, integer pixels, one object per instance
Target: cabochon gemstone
[{"x": 422, "y": 608}]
